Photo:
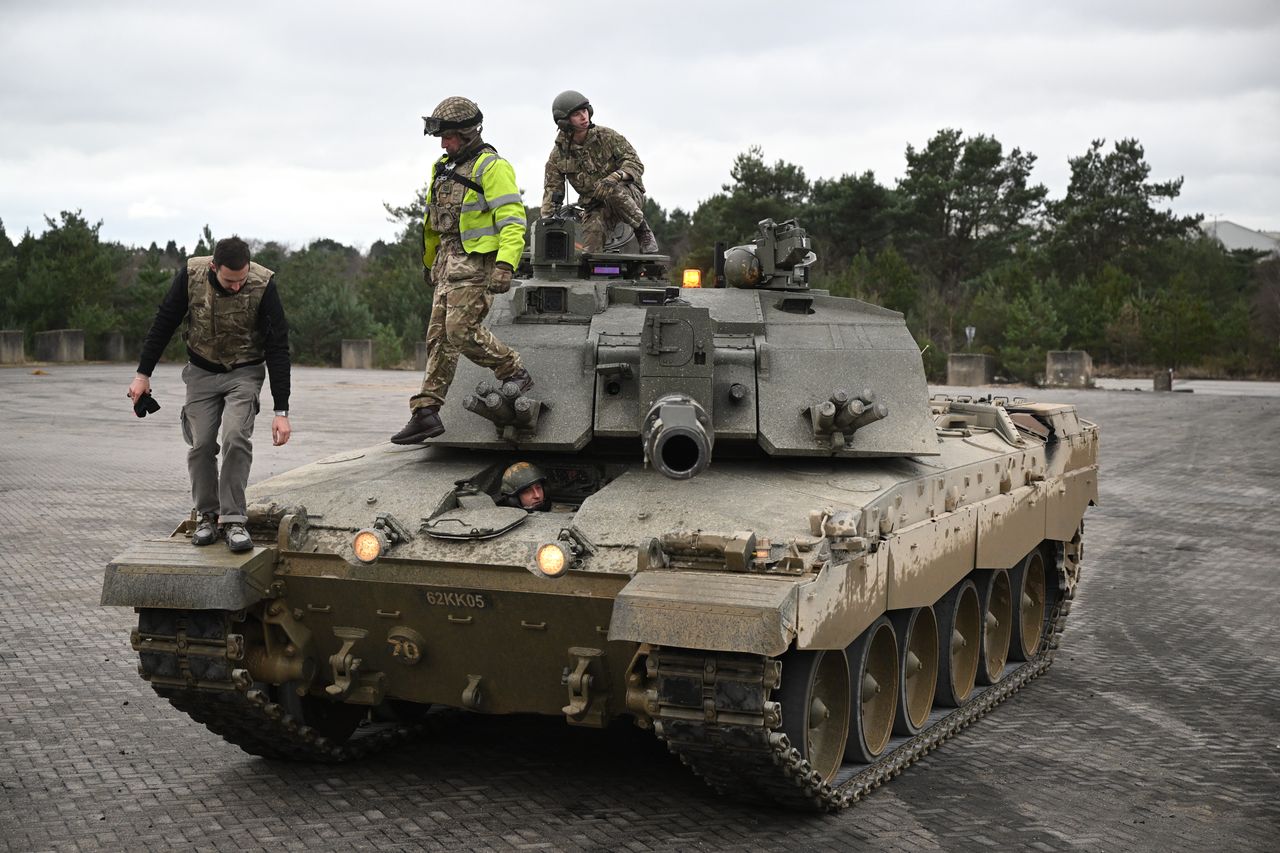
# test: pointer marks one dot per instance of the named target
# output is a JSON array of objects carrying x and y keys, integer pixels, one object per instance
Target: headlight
[
  {"x": 551, "y": 560},
  {"x": 369, "y": 545},
  {"x": 692, "y": 278}
]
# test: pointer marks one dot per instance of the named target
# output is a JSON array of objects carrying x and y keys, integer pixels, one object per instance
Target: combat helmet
[
  {"x": 453, "y": 113},
  {"x": 519, "y": 477},
  {"x": 566, "y": 103}
]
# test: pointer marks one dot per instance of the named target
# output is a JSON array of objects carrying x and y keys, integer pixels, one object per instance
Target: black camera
[{"x": 145, "y": 405}]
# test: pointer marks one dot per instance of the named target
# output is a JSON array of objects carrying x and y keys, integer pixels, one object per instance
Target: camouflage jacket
[{"x": 603, "y": 151}]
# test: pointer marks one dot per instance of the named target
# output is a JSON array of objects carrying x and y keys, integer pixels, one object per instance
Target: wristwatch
[{"x": 282, "y": 413}]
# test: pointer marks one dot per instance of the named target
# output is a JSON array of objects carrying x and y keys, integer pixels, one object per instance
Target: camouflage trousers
[
  {"x": 461, "y": 302},
  {"x": 613, "y": 203}
]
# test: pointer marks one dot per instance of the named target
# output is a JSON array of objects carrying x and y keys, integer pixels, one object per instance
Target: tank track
[
  {"x": 187, "y": 657},
  {"x": 713, "y": 712}
]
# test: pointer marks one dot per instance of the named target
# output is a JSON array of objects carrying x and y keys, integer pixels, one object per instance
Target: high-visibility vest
[{"x": 490, "y": 221}]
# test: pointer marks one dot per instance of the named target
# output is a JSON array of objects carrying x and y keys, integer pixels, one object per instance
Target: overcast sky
[{"x": 292, "y": 121}]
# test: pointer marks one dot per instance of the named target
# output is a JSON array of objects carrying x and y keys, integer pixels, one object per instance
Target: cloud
[
  {"x": 150, "y": 208},
  {"x": 291, "y": 121}
]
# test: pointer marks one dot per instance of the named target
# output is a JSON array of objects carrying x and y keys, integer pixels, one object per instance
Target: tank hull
[{"x": 809, "y": 557}]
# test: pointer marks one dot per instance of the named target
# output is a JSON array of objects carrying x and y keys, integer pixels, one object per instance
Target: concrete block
[
  {"x": 357, "y": 354},
  {"x": 1163, "y": 380},
  {"x": 1068, "y": 368},
  {"x": 113, "y": 347},
  {"x": 60, "y": 345},
  {"x": 12, "y": 347},
  {"x": 421, "y": 358},
  {"x": 970, "y": 368}
]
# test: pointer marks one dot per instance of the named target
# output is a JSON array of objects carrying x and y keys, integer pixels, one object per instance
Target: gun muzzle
[{"x": 677, "y": 437}]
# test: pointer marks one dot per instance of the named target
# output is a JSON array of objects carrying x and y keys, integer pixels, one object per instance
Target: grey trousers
[{"x": 229, "y": 400}]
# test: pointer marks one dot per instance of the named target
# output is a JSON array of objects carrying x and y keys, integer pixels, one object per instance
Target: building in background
[{"x": 1235, "y": 237}]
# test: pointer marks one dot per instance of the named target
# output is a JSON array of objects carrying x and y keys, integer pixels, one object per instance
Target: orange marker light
[
  {"x": 551, "y": 560},
  {"x": 369, "y": 545},
  {"x": 692, "y": 278}
]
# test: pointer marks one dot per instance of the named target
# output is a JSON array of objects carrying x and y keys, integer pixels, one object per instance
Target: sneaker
[
  {"x": 238, "y": 539},
  {"x": 424, "y": 423},
  {"x": 521, "y": 378},
  {"x": 648, "y": 242},
  {"x": 206, "y": 532}
]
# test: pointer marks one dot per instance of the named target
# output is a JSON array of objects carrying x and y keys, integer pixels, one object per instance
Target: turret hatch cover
[{"x": 475, "y": 519}]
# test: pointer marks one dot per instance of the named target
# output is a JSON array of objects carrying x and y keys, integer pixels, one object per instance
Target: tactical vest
[
  {"x": 444, "y": 206},
  {"x": 476, "y": 217},
  {"x": 223, "y": 327}
]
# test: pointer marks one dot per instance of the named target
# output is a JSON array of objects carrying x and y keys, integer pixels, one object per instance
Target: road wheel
[
  {"x": 815, "y": 707},
  {"x": 873, "y": 679},
  {"x": 959, "y": 643},
  {"x": 997, "y": 623},
  {"x": 917, "y": 632},
  {"x": 1027, "y": 585}
]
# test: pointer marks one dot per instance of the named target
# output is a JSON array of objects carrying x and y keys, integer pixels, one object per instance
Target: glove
[{"x": 500, "y": 281}]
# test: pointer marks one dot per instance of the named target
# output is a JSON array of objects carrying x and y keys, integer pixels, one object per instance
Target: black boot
[
  {"x": 648, "y": 242},
  {"x": 522, "y": 379},
  {"x": 424, "y": 423}
]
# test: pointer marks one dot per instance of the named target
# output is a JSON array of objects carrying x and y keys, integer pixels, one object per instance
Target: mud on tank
[{"x": 766, "y": 543}]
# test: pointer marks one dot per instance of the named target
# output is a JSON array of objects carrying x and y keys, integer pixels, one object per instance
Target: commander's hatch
[{"x": 473, "y": 515}]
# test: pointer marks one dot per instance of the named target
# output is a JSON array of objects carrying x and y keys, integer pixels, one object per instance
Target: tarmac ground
[{"x": 1156, "y": 728}]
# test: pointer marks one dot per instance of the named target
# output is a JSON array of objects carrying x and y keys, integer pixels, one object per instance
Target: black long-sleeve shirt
[{"x": 271, "y": 324}]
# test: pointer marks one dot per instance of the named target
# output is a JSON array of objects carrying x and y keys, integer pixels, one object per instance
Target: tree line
[{"x": 964, "y": 238}]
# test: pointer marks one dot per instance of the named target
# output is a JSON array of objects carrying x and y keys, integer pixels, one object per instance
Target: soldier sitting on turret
[{"x": 603, "y": 169}]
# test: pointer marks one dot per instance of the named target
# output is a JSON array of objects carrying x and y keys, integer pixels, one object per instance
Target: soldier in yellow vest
[
  {"x": 236, "y": 333},
  {"x": 473, "y": 236}
]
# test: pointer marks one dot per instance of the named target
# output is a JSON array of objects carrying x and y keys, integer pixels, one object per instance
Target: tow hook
[
  {"x": 579, "y": 682},
  {"x": 349, "y": 683}
]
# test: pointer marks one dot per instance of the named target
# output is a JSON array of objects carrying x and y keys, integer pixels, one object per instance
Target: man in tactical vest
[
  {"x": 473, "y": 237},
  {"x": 603, "y": 169},
  {"x": 236, "y": 333}
]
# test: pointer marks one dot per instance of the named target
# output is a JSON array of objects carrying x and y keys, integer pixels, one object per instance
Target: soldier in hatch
[
  {"x": 473, "y": 236},
  {"x": 603, "y": 169},
  {"x": 524, "y": 485}
]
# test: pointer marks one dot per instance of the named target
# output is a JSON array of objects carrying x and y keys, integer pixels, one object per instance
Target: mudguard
[
  {"x": 707, "y": 610},
  {"x": 172, "y": 573}
]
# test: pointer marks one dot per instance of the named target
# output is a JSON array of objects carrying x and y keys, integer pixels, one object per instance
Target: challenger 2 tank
[{"x": 764, "y": 542}]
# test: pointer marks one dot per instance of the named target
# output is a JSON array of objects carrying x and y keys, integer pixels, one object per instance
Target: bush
[
  {"x": 388, "y": 350},
  {"x": 96, "y": 321},
  {"x": 1033, "y": 329}
]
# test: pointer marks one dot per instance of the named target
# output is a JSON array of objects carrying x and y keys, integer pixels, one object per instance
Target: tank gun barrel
[{"x": 676, "y": 437}]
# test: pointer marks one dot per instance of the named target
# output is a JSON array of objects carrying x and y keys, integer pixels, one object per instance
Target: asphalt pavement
[{"x": 1157, "y": 727}]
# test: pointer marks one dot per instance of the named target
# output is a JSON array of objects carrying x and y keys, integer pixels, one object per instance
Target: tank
[{"x": 764, "y": 541}]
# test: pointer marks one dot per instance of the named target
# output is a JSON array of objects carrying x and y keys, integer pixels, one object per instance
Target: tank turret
[{"x": 767, "y": 363}]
